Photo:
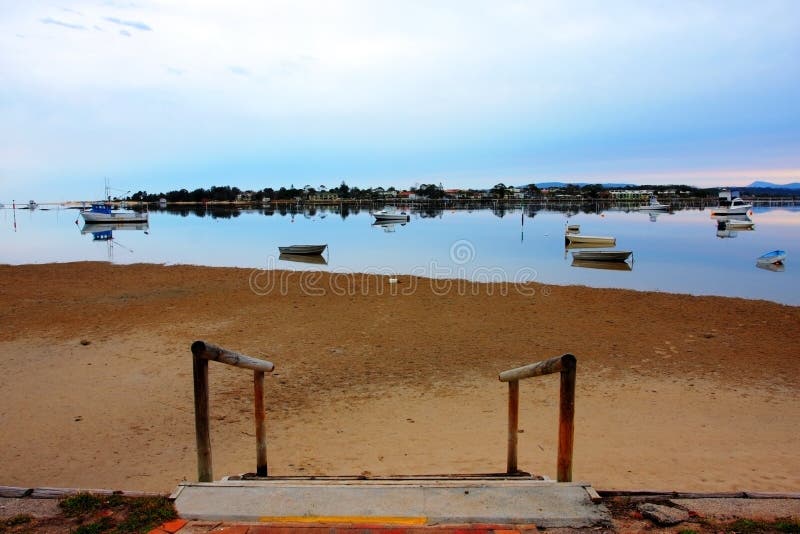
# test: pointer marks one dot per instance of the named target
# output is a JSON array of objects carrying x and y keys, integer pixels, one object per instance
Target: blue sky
[{"x": 164, "y": 94}]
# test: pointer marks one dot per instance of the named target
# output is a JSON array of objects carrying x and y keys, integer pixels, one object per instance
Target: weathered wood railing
[
  {"x": 565, "y": 365},
  {"x": 202, "y": 352}
]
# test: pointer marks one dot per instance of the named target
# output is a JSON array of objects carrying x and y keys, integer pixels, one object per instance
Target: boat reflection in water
[
  {"x": 729, "y": 226},
  {"x": 775, "y": 267},
  {"x": 103, "y": 231},
  {"x": 315, "y": 259},
  {"x": 607, "y": 265},
  {"x": 388, "y": 226}
]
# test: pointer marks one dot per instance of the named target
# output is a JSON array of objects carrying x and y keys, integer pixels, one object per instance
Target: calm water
[{"x": 681, "y": 252}]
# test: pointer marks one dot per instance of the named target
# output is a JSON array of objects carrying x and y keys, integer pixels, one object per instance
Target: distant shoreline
[{"x": 679, "y": 202}]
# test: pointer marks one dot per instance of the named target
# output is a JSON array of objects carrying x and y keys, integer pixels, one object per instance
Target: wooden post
[
  {"x": 566, "y": 419},
  {"x": 513, "y": 425},
  {"x": 261, "y": 431},
  {"x": 201, "y": 422}
]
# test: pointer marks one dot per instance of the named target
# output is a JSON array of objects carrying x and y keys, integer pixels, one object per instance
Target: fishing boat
[
  {"x": 384, "y": 215},
  {"x": 578, "y": 239},
  {"x": 654, "y": 205},
  {"x": 103, "y": 212},
  {"x": 602, "y": 255},
  {"x": 775, "y": 257},
  {"x": 308, "y": 250},
  {"x": 731, "y": 204}
]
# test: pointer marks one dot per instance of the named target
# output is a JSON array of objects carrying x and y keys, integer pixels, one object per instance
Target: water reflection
[
  {"x": 678, "y": 254},
  {"x": 605, "y": 265},
  {"x": 105, "y": 232},
  {"x": 314, "y": 259}
]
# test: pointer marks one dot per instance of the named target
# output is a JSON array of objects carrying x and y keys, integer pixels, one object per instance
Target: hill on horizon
[{"x": 770, "y": 185}]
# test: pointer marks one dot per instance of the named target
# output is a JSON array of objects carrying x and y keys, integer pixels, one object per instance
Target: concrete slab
[{"x": 403, "y": 502}]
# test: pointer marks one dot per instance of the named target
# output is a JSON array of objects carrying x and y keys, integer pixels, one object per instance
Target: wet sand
[{"x": 674, "y": 392}]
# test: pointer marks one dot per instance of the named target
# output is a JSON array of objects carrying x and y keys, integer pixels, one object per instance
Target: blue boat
[{"x": 775, "y": 257}]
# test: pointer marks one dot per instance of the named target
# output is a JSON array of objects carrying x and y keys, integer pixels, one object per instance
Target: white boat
[
  {"x": 102, "y": 212},
  {"x": 654, "y": 205},
  {"x": 732, "y": 206},
  {"x": 602, "y": 255},
  {"x": 579, "y": 239},
  {"x": 391, "y": 216},
  {"x": 302, "y": 249},
  {"x": 775, "y": 257}
]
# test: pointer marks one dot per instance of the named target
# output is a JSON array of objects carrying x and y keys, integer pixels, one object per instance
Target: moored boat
[
  {"x": 731, "y": 204},
  {"x": 384, "y": 215},
  {"x": 303, "y": 249},
  {"x": 102, "y": 212},
  {"x": 776, "y": 257},
  {"x": 602, "y": 255}
]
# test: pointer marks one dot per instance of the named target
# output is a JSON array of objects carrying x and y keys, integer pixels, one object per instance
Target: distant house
[
  {"x": 630, "y": 194},
  {"x": 324, "y": 197}
]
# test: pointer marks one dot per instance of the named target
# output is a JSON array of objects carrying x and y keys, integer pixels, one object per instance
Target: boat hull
[
  {"x": 391, "y": 217},
  {"x": 602, "y": 255},
  {"x": 303, "y": 249},
  {"x": 775, "y": 257},
  {"x": 114, "y": 217}
]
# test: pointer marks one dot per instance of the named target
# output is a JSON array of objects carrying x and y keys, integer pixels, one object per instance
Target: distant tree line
[{"x": 430, "y": 191}]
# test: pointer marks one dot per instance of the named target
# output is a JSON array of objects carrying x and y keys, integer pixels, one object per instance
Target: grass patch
[
  {"x": 748, "y": 526},
  {"x": 146, "y": 513},
  {"x": 96, "y": 514},
  {"x": 80, "y": 504}
]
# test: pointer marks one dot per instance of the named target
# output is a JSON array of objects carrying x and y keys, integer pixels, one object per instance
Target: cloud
[
  {"x": 68, "y": 10},
  {"x": 174, "y": 71},
  {"x": 126, "y": 33},
  {"x": 130, "y": 23},
  {"x": 49, "y": 20}
]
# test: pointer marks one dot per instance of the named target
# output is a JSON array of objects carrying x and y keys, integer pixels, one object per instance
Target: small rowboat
[
  {"x": 302, "y": 249},
  {"x": 775, "y": 257},
  {"x": 602, "y": 255}
]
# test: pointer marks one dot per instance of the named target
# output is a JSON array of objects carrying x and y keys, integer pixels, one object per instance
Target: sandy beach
[{"x": 674, "y": 392}]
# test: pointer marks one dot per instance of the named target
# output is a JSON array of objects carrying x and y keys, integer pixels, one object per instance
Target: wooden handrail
[
  {"x": 207, "y": 351},
  {"x": 566, "y": 365},
  {"x": 202, "y": 352}
]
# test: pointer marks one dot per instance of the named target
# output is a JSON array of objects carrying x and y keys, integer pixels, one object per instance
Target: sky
[{"x": 158, "y": 95}]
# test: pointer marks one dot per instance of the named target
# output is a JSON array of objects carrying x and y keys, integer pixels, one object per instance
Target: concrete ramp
[{"x": 394, "y": 502}]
